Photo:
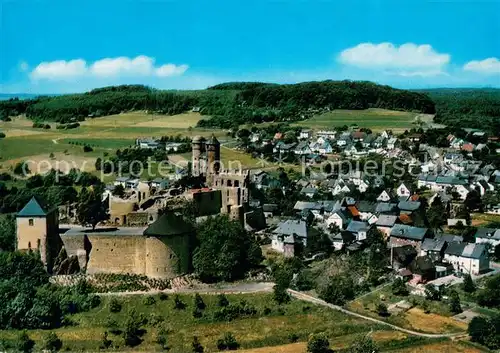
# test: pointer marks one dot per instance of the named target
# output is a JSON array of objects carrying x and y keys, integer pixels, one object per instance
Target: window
[{"x": 31, "y": 222}]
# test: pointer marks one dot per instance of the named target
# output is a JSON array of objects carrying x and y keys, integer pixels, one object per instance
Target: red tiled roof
[
  {"x": 354, "y": 211},
  {"x": 468, "y": 147},
  {"x": 405, "y": 219},
  {"x": 414, "y": 197}
]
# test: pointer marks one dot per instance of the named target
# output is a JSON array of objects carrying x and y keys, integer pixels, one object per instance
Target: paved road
[{"x": 314, "y": 300}]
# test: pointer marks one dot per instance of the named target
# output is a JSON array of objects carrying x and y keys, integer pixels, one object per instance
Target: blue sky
[{"x": 71, "y": 46}]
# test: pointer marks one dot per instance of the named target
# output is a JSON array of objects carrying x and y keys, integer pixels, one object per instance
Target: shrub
[
  {"x": 222, "y": 300},
  {"x": 468, "y": 284},
  {"x": 178, "y": 303},
  {"x": 197, "y": 313},
  {"x": 114, "y": 305},
  {"x": 318, "y": 343},
  {"x": 196, "y": 346},
  {"x": 163, "y": 296},
  {"x": 113, "y": 326},
  {"x": 161, "y": 338},
  {"x": 133, "y": 331},
  {"x": 87, "y": 148},
  {"x": 24, "y": 343},
  {"x": 280, "y": 295},
  {"x": 227, "y": 343},
  {"x": 382, "y": 310},
  {"x": 293, "y": 337},
  {"x": 51, "y": 342},
  {"x": 105, "y": 341},
  {"x": 2, "y": 135},
  {"x": 399, "y": 287},
  {"x": 198, "y": 302},
  {"x": 149, "y": 300}
]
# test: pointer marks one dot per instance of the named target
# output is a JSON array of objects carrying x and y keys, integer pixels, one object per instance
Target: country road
[{"x": 311, "y": 299}]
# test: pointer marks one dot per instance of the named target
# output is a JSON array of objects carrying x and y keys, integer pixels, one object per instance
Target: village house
[
  {"x": 434, "y": 248},
  {"x": 467, "y": 258},
  {"x": 403, "y": 191},
  {"x": 287, "y": 234},
  {"x": 402, "y": 234},
  {"x": 385, "y": 223},
  {"x": 358, "y": 229},
  {"x": 489, "y": 236},
  {"x": 337, "y": 218}
]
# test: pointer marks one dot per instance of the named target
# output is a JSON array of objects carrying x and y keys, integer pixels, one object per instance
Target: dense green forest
[
  {"x": 229, "y": 104},
  {"x": 234, "y": 103},
  {"x": 473, "y": 108}
]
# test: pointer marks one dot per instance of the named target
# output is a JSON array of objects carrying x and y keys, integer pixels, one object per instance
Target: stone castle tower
[
  {"x": 198, "y": 146},
  {"x": 206, "y": 157},
  {"x": 37, "y": 229}
]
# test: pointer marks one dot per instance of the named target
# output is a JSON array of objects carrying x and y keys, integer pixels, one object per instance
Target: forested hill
[
  {"x": 229, "y": 104},
  {"x": 467, "y": 107}
]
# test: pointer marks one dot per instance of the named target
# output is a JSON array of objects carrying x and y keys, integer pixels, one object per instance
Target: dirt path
[
  {"x": 240, "y": 288},
  {"x": 317, "y": 301}
]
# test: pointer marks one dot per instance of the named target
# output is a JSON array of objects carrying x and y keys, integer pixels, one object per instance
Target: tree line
[{"x": 230, "y": 103}]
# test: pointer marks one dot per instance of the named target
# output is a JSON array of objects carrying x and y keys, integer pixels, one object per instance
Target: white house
[
  {"x": 392, "y": 143},
  {"x": 305, "y": 134},
  {"x": 358, "y": 229},
  {"x": 363, "y": 186},
  {"x": 467, "y": 258},
  {"x": 483, "y": 187},
  {"x": 384, "y": 196},
  {"x": 403, "y": 191},
  {"x": 287, "y": 234},
  {"x": 489, "y": 236},
  {"x": 337, "y": 218},
  {"x": 340, "y": 187}
]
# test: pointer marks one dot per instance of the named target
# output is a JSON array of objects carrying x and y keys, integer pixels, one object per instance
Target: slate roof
[
  {"x": 449, "y": 238},
  {"x": 488, "y": 233},
  {"x": 303, "y": 205},
  {"x": 474, "y": 251},
  {"x": 433, "y": 244},
  {"x": 356, "y": 226},
  {"x": 269, "y": 207},
  {"x": 169, "y": 224},
  {"x": 291, "y": 227},
  {"x": 455, "y": 249},
  {"x": 409, "y": 205},
  {"x": 408, "y": 232},
  {"x": 308, "y": 190},
  {"x": 34, "y": 208},
  {"x": 385, "y": 207},
  {"x": 386, "y": 220},
  {"x": 366, "y": 206}
]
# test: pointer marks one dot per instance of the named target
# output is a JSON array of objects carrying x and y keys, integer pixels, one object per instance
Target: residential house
[
  {"x": 337, "y": 218},
  {"x": 379, "y": 142},
  {"x": 147, "y": 143},
  {"x": 322, "y": 148},
  {"x": 270, "y": 210},
  {"x": 483, "y": 187},
  {"x": 302, "y": 149},
  {"x": 305, "y": 134},
  {"x": 393, "y": 143},
  {"x": 327, "y": 134},
  {"x": 423, "y": 270},
  {"x": 340, "y": 188},
  {"x": 489, "y": 236},
  {"x": 467, "y": 258},
  {"x": 259, "y": 178},
  {"x": 434, "y": 248},
  {"x": 366, "y": 210},
  {"x": 160, "y": 183},
  {"x": 385, "y": 196},
  {"x": 386, "y": 208},
  {"x": 403, "y": 190},
  {"x": 402, "y": 234},
  {"x": 341, "y": 239},
  {"x": 408, "y": 207},
  {"x": 309, "y": 191},
  {"x": 121, "y": 181},
  {"x": 287, "y": 234},
  {"x": 402, "y": 256},
  {"x": 385, "y": 223},
  {"x": 173, "y": 146},
  {"x": 358, "y": 136},
  {"x": 358, "y": 229},
  {"x": 453, "y": 158}
]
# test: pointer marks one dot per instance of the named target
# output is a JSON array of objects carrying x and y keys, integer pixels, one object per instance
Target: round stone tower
[
  {"x": 197, "y": 146},
  {"x": 213, "y": 155}
]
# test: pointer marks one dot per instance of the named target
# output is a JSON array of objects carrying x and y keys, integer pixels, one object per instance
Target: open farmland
[
  {"x": 104, "y": 135},
  {"x": 374, "y": 119}
]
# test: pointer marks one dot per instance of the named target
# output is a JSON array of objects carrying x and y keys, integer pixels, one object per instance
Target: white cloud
[
  {"x": 409, "y": 59},
  {"x": 171, "y": 70},
  {"x": 140, "y": 66},
  {"x": 486, "y": 66},
  {"x": 59, "y": 69}
]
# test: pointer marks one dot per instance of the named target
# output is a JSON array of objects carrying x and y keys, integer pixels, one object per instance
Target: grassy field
[
  {"x": 375, "y": 119},
  {"x": 262, "y": 330},
  {"x": 439, "y": 319},
  {"x": 269, "y": 331},
  {"x": 105, "y": 135}
]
